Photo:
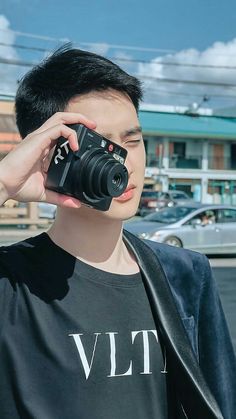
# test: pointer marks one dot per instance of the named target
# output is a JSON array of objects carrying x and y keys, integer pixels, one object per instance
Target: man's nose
[{"x": 129, "y": 166}]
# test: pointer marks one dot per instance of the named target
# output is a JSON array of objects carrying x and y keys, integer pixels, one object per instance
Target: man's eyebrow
[
  {"x": 131, "y": 131},
  {"x": 124, "y": 134}
]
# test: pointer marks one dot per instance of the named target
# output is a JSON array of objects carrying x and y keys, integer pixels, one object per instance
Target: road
[
  {"x": 226, "y": 282},
  {"x": 224, "y": 270}
]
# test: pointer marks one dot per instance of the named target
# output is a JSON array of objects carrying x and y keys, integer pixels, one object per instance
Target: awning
[{"x": 176, "y": 125}]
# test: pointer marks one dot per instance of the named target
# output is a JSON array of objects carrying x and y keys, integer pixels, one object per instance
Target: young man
[{"x": 95, "y": 323}]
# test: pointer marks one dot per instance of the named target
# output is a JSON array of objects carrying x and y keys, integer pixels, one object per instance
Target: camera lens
[
  {"x": 117, "y": 179},
  {"x": 99, "y": 175}
]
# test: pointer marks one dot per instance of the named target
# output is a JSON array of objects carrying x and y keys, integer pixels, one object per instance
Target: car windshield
[
  {"x": 176, "y": 195},
  {"x": 169, "y": 215},
  {"x": 150, "y": 194}
]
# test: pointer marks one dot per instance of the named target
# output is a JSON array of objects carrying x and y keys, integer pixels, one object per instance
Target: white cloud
[
  {"x": 98, "y": 48},
  {"x": 8, "y": 73},
  {"x": 218, "y": 55},
  {"x": 124, "y": 60}
]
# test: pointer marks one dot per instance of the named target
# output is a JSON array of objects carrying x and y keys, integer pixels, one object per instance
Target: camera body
[{"x": 94, "y": 174}]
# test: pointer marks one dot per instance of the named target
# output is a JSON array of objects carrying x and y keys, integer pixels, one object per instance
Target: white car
[{"x": 210, "y": 229}]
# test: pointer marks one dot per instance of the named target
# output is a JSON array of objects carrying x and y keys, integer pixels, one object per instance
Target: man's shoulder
[
  {"x": 174, "y": 254},
  {"x": 20, "y": 253},
  {"x": 177, "y": 263},
  {"x": 184, "y": 268}
]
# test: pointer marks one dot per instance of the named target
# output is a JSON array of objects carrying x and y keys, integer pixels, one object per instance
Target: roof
[{"x": 176, "y": 125}]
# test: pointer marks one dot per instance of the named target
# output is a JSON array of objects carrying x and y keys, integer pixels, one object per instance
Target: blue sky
[
  {"x": 167, "y": 24},
  {"x": 199, "y": 32}
]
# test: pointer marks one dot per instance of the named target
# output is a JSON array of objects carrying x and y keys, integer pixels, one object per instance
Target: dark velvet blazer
[{"x": 200, "y": 361}]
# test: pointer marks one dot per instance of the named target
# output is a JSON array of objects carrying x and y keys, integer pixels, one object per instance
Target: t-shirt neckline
[{"x": 83, "y": 269}]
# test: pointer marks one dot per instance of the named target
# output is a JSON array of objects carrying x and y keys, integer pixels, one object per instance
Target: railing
[
  {"x": 221, "y": 163},
  {"x": 28, "y": 215},
  {"x": 176, "y": 162},
  {"x": 190, "y": 162},
  {"x": 153, "y": 160}
]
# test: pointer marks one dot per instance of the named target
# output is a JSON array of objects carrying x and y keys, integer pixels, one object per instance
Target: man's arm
[
  {"x": 216, "y": 354},
  {"x": 23, "y": 171}
]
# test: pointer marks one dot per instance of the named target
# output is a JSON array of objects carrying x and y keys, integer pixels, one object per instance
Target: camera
[{"x": 94, "y": 174}]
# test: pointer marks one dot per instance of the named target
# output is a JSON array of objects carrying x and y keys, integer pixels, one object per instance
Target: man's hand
[{"x": 23, "y": 171}]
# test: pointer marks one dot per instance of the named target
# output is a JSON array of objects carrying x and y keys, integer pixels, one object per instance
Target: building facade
[
  {"x": 9, "y": 136},
  {"x": 196, "y": 154}
]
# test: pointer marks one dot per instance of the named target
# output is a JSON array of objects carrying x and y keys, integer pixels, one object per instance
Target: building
[
  {"x": 191, "y": 152},
  {"x": 9, "y": 135},
  {"x": 194, "y": 153}
]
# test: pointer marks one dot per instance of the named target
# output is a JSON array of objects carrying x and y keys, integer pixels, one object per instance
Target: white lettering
[
  {"x": 146, "y": 350},
  {"x": 87, "y": 367},
  {"x": 113, "y": 357},
  {"x": 88, "y": 364},
  {"x": 65, "y": 145},
  {"x": 59, "y": 152}
]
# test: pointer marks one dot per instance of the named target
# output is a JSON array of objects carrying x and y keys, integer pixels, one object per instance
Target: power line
[
  {"x": 189, "y": 94},
  {"x": 25, "y": 47},
  {"x": 131, "y": 60},
  {"x": 168, "y": 63},
  {"x": 140, "y": 76},
  {"x": 196, "y": 82},
  {"x": 16, "y": 62},
  {"x": 92, "y": 44},
  {"x": 31, "y": 35}
]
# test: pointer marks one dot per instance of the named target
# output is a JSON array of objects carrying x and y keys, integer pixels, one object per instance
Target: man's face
[{"x": 117, "y": 120}]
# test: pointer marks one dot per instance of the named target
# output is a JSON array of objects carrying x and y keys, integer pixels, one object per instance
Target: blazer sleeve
[{"x": 216, "y": 354}]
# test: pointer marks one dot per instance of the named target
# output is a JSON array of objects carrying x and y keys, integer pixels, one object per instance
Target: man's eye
[{"x": 133, "y": 141}]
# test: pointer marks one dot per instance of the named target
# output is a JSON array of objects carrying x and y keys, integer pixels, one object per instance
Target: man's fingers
[
  {"x": 67, "y": 118},
  {"x": 60, "y": 200},
  {"x": 47, "y": 138}
]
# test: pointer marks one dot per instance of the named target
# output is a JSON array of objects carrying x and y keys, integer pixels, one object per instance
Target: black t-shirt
[{"x": 75, "y": 342}]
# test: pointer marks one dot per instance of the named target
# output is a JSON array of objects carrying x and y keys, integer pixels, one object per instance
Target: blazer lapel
[{"x": 193, "y": 392}]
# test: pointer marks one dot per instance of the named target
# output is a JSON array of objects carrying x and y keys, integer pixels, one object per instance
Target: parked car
[
  {"x": 154, "y": 201},
  {"x": 171, "y": 198},
  {"x": 210, "y": 229},
  {"x": 148, "y": 201}
]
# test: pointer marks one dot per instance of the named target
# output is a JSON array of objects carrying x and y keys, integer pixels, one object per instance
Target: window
[
  {"x": 227, "y": 216},
  {"x": 185, "y": 154},
  {"x": 203, "y": 218},
  {"x": 179, "y": 195}
]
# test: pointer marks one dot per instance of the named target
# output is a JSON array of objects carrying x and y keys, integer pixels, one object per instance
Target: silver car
[{"x": 210, "y": 229}]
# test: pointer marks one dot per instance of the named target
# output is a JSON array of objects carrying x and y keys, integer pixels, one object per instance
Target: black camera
[{"x": 94, "y": 174}]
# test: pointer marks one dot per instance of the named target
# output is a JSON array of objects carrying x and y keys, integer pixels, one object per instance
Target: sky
[{"x": 171, "y": 45}]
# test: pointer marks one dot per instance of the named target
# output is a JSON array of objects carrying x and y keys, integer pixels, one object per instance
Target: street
[{"x": 226, "y": 281}]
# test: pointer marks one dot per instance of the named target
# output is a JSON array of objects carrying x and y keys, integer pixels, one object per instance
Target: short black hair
[{"x": 68, "y": 72}]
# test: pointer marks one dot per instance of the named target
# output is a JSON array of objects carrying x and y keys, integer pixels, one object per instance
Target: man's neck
[{"x": 93, "y": 239}]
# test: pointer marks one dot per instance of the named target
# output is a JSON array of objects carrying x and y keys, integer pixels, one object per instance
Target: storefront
[
  {"x": 194, "y": 154},
  {"x": 222, "y": 191}
]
